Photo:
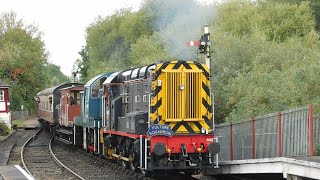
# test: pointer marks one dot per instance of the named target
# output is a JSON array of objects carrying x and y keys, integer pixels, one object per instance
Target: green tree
[
  {"x": 22, "y": 60},
  {"x": 146, "y": 50},
  {"x": 54, "y": 75},
  {"x": 109, "y": 42},
  {"x": 262, "y": 53},
  {"x": 314, "y": 5}
]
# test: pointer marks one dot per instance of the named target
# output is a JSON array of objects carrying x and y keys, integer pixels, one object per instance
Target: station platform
[
  {"x": 14, "y": 173},
  {"x": 290, "y": 168},
  {"x": 31, "y": 123}
]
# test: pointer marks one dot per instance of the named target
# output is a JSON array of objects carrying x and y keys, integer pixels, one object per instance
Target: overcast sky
[{"x": 63, "y": 23}]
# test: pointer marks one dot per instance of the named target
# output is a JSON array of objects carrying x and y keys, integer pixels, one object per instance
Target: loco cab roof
[
  {"x": 129, "y": 74},
  {"x": 111, "y": 78},
  {"x": 94, "y": 79}
]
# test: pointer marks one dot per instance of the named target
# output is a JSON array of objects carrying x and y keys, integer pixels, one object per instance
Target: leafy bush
[
  {"x": 4, "y": 130},
  {"x": 317, "y": 149}
]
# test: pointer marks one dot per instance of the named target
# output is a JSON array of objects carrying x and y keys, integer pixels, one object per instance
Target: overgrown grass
[
  {"x": 4, "y": 130},
  {"x": 17, "y": 122}
]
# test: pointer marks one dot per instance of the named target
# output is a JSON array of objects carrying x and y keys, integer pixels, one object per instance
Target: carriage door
[{"x": 63, "y": 109}]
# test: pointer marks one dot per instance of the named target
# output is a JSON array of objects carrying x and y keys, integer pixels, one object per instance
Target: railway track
[
  {"x": 92, "y": 167},
  {"x": 44, "y": 158},
  {"x": 39, "y": 160}
]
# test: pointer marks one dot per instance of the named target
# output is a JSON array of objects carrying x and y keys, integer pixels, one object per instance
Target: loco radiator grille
[{"x": 183, "y": 96}]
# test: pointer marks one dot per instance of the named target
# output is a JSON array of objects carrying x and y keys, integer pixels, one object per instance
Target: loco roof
[{"x": 52, "y": 89}]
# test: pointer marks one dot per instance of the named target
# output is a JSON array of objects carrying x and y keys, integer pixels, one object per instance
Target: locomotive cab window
[
  {"x": 95, "y": 89},
  {"x": 87, "y": 94},
  {"x": 1, "y": 95}
]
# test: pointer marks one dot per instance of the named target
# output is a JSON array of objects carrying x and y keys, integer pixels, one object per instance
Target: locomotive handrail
[
  {"x": 217, "y": 155},
  {"x": 141, "y": 152},
  {"x": 103, "y": 111},
  {"x": 149, "y": 111},
  {"x": 212, "y": 102}
]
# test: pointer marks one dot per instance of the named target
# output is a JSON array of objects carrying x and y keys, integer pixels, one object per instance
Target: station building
[{"x": 5, "y": 114}]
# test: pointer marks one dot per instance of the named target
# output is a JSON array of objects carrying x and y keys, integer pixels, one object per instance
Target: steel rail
[
  {"x": 60, "y": 163},
  {"x": 22, "y": 150},
  {"x": 51, "y": 153}
]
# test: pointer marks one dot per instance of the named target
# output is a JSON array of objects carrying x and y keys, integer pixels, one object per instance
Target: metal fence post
[
  {"x": 253, "y": 138},
  {"x": 279, "y": 134},
  {"x": 231, "y": 142},
  {"x": 311, "y": 143}
]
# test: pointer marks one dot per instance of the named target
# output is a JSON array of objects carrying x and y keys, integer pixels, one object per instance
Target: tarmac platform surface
[{"x": 14, "y": 173}]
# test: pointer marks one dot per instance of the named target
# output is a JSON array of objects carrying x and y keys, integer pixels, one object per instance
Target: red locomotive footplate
[{"x": 192, "y": 142}]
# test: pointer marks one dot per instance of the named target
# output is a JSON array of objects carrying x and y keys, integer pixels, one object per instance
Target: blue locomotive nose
[{"x": 214, "y": 148}]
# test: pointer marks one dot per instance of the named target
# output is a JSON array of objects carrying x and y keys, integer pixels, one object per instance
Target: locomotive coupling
[{"x": 214, "y": 148}]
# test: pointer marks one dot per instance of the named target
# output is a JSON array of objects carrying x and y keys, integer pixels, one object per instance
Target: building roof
[{"x": 3, "y": 84}]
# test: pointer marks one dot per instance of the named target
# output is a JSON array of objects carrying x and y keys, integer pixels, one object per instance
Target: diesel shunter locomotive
[
  {"x": 157, "y": 117},
  {"x": 154, "y": 118}
]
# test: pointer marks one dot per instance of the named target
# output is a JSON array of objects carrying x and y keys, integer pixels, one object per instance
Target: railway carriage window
[
  {"x": 77, "y": 97},
  {"x": 72, "y": 101},
  {"x": 50, "y": 103},
  {"x": 1, "y": 95}
]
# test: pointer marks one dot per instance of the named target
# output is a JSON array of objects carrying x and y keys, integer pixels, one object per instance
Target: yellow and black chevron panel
[{"x": 181, "y": 96}]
